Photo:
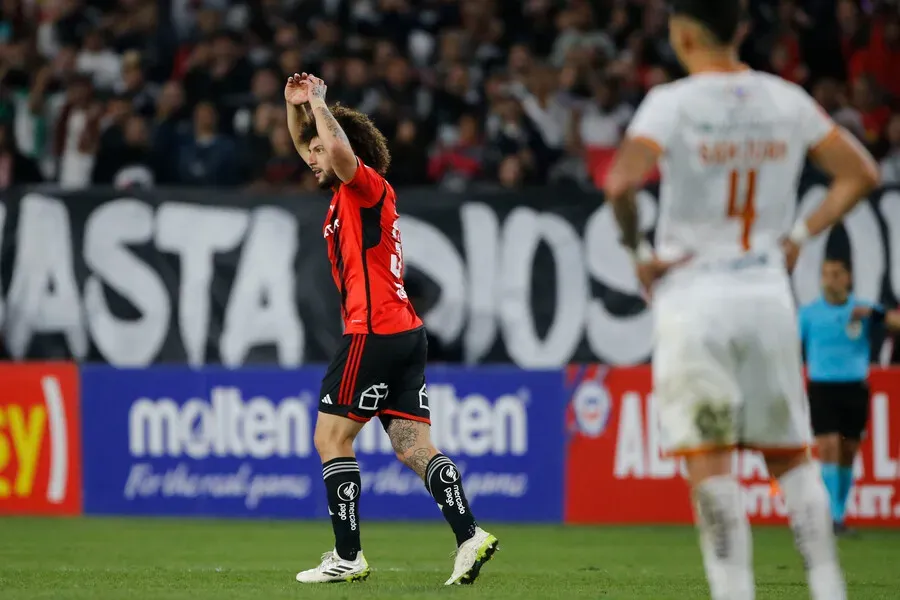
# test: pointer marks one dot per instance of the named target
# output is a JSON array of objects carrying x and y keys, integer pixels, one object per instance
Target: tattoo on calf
[{"x": 405, "y": 439}]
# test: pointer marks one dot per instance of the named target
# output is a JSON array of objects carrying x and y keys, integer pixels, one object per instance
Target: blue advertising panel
[{"x": 238, "y": 443}]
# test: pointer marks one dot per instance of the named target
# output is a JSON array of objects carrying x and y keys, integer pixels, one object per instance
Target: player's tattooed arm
[
  {"x": 411, "y": 442},
  {"x": 633, "y": 162},
  {"x": 296, "y": 97},
  {"x": 343, "y": 159}
]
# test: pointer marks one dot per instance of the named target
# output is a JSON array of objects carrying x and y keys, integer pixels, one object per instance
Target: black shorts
[
  {"x": 839, "y": 407},
  {"x": 378, "y": 376}
]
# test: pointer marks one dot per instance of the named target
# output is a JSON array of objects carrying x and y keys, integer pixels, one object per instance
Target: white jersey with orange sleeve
[
  {"x": 727, "y": 362},
  {"x": 733, "y": 146}
]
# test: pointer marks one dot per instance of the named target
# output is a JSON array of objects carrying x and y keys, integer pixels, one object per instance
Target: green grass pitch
[{"x": 168, "y": 559}]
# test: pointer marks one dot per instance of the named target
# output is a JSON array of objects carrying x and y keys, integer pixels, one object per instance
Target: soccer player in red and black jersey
[{"x": 379, "y": 369}]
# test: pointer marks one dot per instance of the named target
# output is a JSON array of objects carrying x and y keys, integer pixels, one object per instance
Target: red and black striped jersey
[{"x": 363, "y": 238}]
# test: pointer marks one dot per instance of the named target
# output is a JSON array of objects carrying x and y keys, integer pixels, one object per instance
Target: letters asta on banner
[
  {"x": 49, "y": 294},
  {"x": 541, "y": 285}
]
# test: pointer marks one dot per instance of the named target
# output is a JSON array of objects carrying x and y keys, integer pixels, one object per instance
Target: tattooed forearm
[
  {"x": 625, "y": 209},
  {"x": 411, "y": 442},
  {"x": 325, "y": 120}
]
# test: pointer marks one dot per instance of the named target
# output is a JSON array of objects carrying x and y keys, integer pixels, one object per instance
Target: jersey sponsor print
[
  {"x": 613, "y": 449},
  {"x": 40, "y": 449}
]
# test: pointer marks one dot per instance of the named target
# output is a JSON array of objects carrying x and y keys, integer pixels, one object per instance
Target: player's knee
[
  {"x": 829, "y": 447},
  {"x": 848, "y": 451},
  {"x": 331, "y": 442}
]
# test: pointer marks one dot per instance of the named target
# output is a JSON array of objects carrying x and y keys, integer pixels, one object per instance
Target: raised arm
[
  {"x": 333, "y": 138},
  {"x": 296, "y": 97}
]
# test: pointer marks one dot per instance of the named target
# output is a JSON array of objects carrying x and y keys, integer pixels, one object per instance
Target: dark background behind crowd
[{"x": 469, "y": 92}]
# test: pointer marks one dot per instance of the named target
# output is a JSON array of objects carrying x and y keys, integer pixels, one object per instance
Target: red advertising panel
[
  {"x": 615, "y": 472},
  {"x": 40, "y": 444}
]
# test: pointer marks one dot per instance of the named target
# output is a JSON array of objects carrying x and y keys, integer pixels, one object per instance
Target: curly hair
[{"x": 368, "y": 143}]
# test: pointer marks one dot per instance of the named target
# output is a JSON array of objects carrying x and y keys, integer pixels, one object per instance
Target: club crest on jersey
[{"x": 854, "y": 329}]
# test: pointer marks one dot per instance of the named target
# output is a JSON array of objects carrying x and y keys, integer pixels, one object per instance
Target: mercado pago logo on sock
[{"x": 40, "y": 448}]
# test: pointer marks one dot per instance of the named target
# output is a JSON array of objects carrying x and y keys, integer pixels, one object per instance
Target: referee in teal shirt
[{"x": 835, "y": 330}]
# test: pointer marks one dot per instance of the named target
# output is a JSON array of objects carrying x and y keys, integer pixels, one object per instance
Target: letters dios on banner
[
  {"x": 181, "y": 276},
  {"x": 40, "y": 447},
  {"x": 218, "y": 442},
  {"x": 613, "y": 454}
]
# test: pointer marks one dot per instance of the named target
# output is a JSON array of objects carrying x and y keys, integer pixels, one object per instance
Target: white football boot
[
  {"x": 335, "y": 569},
  {"x": 471, "y": 556}
]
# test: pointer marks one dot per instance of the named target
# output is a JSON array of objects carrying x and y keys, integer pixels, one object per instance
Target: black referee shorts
[
  {"x": 378, "y": 376},
  {"x": 839, "y": 407}
]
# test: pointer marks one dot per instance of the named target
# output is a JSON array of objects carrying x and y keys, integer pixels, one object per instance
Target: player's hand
[
  {"x": 649, "y": 272},
  {"x": 860, "y": 313},
  {"x": 791, "y": 254},
  {"x": 317, "y": 88},
  {"x": 296, "y": 91}
]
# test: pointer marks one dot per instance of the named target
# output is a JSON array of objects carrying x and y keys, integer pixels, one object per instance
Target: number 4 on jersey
[{"x": 746, "y": 210}]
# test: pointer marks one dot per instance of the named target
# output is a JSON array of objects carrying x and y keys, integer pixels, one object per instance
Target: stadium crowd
[{"x": 483, "y": 92}]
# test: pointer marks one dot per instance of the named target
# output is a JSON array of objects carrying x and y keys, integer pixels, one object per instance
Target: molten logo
[{"x": 39, "y": 465}]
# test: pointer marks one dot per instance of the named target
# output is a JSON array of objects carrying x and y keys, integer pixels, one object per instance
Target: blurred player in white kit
[{"x": 731, "y": 143}]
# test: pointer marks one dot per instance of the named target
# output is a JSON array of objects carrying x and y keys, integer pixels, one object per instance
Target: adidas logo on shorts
[{"x": 327, "y": 399}]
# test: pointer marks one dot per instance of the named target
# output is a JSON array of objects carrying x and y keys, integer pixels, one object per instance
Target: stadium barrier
[{"x": 578, "y": 445}]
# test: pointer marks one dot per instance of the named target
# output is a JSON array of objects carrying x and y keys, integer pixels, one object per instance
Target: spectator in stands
[
  {"x": 134, "y": 84},
  {"x": 171, "y": 124},
  {"x": 874, "y": 112},
  {"x": 207, "y": 158},
  {"x": 852, "y": 34},
  {"x": 508, "y": 132},
  {"x": 457, "y": 164},
  {"x": 545, "y": 106},
  {"x": 77, "y": 133},
  {"x": 880, "y": 59},
  {"x": 354, "y": 89},
  {"x": 99, "y": 61},
  {"x": 112, "y": 138},
  {"x": 15, "y": 167},
  {"x": 255, "y": 147},
  {"x": 409, "y": 164},
  {"x": 511, "y": 172},
  {"x": 282, "y": 171},
  {"x": 831, "y": 96},
  {"x": 454, "y": 98},
  {"x": 597, "y": 128},
  {"x": 890, "y": 165},
  {"x": 417, "y": 67},
  {"x": 577, "y": 30},
  {"x": 134, "y": 164},
  {"x": 265, "y": 88}
]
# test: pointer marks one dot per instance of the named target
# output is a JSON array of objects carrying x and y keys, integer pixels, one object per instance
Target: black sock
[
  {"x": 343, "y": 484},
  {"x": 443, "y": 480}
]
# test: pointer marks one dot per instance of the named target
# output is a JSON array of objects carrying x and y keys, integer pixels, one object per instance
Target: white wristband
[
  {"x": 643, "y": 253},
  {"x": 800, "y": 233}
]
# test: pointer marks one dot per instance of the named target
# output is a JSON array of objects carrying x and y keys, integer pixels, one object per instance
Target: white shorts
[{"x": 727, "y": 367}]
